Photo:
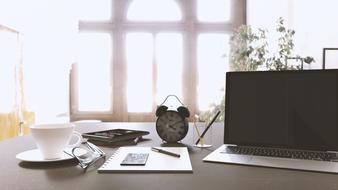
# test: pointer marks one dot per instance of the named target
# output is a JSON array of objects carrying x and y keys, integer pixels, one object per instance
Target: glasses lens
[
  {"x": 95, "y": 164},
  {"x": 88, "y": 157},
  {"x": 83, "y": 155}
]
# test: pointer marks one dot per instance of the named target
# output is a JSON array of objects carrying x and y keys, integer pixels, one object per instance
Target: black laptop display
[{"x": 287, "y": 109}]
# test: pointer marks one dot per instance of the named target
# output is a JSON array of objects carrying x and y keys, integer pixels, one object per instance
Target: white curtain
[{"x": 14, "y": 118}]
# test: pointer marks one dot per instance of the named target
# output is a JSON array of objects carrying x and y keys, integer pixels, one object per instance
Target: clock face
[{"x": 171, "y": 126}]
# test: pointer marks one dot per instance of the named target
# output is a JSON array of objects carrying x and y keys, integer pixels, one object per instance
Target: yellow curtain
[
  {"x": 11, "y": 126},
  {"x": 15, "y": 121}
]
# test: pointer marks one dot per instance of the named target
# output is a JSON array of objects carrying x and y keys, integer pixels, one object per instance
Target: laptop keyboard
[{"x": 282, "y": 153}]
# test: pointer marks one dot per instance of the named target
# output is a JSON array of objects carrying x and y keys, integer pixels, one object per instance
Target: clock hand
[
  {"x": 177, "y": 122},
  {"x": 171, "y": 127}
]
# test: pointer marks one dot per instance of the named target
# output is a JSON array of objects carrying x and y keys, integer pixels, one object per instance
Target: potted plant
[{"x": 250, "y": 51}]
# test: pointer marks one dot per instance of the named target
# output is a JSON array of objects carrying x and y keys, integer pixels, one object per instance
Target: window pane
[
  {"x": 213, "y": 10},
  {"x": 94, "y": 72},
  {"x": 139, "y": 62},
  {"x": 154, "y": 10},
  {"x": 212, "y": 66},
  {"x": 94, "y": 10},
  {"x": 169, "y": 64}
]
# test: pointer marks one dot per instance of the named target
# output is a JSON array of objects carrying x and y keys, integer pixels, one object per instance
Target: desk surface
[{"x": 206, "y": 176}]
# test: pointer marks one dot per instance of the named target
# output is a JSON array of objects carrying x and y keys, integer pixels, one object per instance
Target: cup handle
[{"x": 79, "y": 140}]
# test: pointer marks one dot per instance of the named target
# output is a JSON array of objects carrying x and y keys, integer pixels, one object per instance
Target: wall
[{"x": 314, "y": 22}]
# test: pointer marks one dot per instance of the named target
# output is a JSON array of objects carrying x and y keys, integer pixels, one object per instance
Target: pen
[
  {"x": 209, "y": 125},
  {"x": 165, "y": 152}
]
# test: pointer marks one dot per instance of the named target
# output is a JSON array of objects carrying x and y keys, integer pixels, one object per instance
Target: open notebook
[{"x": 157, "y": 162}]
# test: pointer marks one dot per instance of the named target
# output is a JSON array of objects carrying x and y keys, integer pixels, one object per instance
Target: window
[
  {"x": 94, "y": 72},
  {"x": 154, "y": 10},
  {"x": 217, "y": 11},
  {"x": 140, "y": 51},
  {"x": 211, "y": 67},
  {"x": 139, "y": 56},
  {"x": 169, "y": 59}
]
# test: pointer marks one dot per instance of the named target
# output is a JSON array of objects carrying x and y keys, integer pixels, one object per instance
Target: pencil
[{"x": 209, "y": 125}]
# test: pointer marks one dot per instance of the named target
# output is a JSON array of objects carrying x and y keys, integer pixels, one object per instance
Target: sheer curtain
[{"x": 14, "y": 118}]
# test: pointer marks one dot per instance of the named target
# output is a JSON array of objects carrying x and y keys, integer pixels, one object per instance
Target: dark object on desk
[
  {"x": 172, "y": 124},
  {"x": 291, "y": 115},
  {"x": 115, "y": 136},
  {"x": 135, "y": 159},
  {"x": 127, "y": 142},
  {"x": 165, "y": 152},
  {"x": 208, "y": 126}
]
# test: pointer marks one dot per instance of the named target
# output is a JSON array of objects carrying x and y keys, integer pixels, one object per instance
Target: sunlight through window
[
  {"x": 212, "y": 66},
  {"x": 94, "y": 72},
  {"x": 139, "y": 61},
  {"x": 162, "y": 47},
  {"x": 169, "y": 59},
  {"x": 154, "y": 10},
  {"x": 91, "y": 10},
  {"x": 213, "y": 10},
  {"x": 8, "y": 61}
]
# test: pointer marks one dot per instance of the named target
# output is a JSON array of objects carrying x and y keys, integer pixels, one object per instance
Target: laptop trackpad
[{"x": 240, "y": 158}]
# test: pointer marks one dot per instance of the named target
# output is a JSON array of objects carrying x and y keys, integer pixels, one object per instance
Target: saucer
[{"x": 36, "y": 156}]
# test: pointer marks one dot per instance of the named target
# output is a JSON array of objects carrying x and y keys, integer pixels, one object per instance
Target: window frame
[{"x": 118, "y": 26}]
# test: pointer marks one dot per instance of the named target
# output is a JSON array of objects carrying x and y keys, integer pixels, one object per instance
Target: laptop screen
[{"x": 289, "y": 109}]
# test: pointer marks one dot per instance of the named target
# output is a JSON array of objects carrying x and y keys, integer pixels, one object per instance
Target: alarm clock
[{"x": 172, "y": 124}]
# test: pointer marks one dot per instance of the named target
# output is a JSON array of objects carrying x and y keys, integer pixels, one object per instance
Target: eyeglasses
[{"x": 89, "y": 156}]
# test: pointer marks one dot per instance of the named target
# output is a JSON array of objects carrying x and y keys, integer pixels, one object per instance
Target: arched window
[
  {"x": 158, "y": 47},
  {"x": 154, "y": 10},
  {"x": 213, "y": 11}
]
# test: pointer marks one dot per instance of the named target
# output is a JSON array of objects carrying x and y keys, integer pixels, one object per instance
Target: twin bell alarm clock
[{"x": 172, "y": 123}]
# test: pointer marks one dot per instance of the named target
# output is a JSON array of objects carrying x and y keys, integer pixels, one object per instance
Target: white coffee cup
[{"x": 53, "y": 139}]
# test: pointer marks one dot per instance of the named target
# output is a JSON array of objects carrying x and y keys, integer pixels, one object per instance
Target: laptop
[{"x": 281, "y": 119}]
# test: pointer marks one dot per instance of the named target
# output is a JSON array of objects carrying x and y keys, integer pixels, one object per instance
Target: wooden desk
[{"x": 206, "y": 176}]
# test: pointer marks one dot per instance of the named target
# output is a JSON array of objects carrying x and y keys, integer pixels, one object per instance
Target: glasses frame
[{"x": 94, "y": 149}]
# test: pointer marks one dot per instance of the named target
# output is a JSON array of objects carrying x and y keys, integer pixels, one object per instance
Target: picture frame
[{"x": 330, "y": 58}]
